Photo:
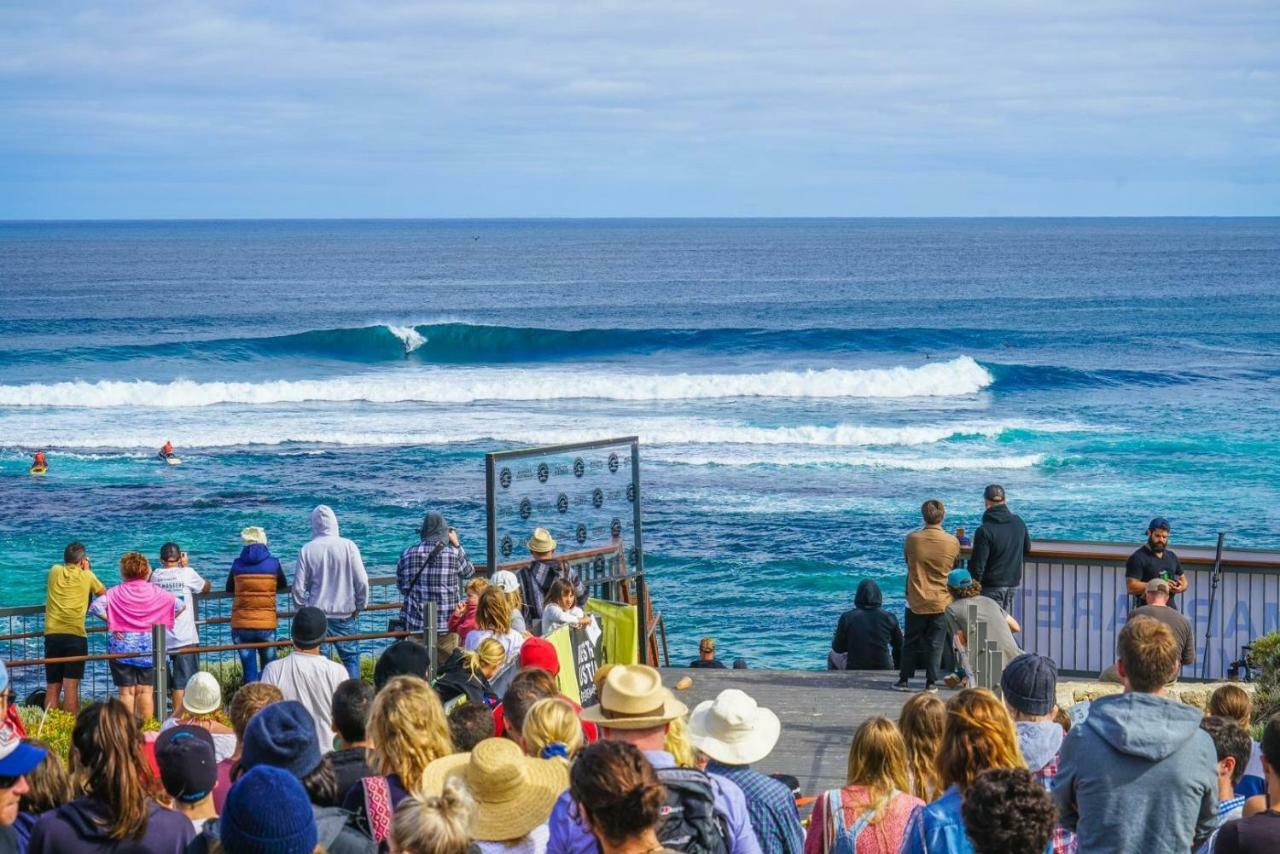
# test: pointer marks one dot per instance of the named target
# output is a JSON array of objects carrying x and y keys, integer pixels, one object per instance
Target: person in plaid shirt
[
  {"x": 1030, "y": 687},
  {"x": 432, "y": 570}
]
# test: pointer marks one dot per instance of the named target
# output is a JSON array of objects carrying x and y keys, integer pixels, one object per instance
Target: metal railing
[{"x": 985, "y": 659}]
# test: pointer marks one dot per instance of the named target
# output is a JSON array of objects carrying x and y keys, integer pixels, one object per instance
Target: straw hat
[
  {"x": 514, "y": 793},
  {"x": 203, "y": 694},
  {"x": 632, "y": 697},
  {"x": 505, "y": 580},
  {"x": 541, "y": 542},
  {"x": 733, "y": 729}
]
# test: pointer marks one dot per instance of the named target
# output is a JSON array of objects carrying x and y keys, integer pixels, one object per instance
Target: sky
[{"x": 603, "y": 109}]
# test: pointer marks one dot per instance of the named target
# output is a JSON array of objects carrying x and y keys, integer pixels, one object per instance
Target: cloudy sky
[{"x": 653, "y": 108}]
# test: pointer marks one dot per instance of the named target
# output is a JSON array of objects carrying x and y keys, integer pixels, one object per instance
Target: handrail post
[
  {"x": 159, "y": 671},
  {"x": 430, "y": 638},
  {"x": 995, "y": 664}
]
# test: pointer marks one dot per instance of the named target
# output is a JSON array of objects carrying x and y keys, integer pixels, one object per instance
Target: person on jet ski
[{"x": 167, "y": 451}]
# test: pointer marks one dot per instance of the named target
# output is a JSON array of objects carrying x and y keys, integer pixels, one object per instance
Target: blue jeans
[
  {"x": 348, "y": 651},
  {"x": 1003, "y": 596},
  {"x": 253, "y": 659}
]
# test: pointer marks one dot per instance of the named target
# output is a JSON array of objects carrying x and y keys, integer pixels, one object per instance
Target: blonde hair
[
  {"x": 477, "y": 586},
  {"x": 515, "y": 600},
  {"x": 1231, "y": 702},
  {"x": 921, "y": 721},
  {"x": 437, "y": 825},
  {"x": 408, "y": 727},
  {"x": 493, "y": 612},
  {"x": 551, "y": 721},
  {"x": 979, "y": 735},
  {"x": 676, "y": 742},
  {"x": 487, "y": 654},
  {"x": 878, "y": 761}
]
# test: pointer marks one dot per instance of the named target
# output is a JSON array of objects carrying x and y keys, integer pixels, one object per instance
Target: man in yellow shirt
[{"x": 71, "y": 585}]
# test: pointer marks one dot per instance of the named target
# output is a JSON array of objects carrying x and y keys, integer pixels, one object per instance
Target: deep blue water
[{"x": 799, "y": 387}]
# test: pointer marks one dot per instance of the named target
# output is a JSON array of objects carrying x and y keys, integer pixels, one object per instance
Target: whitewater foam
[
  {"x": 410, "y": 337},
  {"x": 958, "y": 376}
]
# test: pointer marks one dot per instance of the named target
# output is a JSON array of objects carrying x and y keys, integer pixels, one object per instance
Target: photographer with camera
[{"x": 432, "y": 570}]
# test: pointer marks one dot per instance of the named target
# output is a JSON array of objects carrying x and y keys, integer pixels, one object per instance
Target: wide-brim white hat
[
  {"x": 733, "y": 729},
  {"x": 505, "y": 580}
]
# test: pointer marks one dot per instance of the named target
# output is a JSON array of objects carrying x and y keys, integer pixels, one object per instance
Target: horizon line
[{"x": 639, "y": 218}]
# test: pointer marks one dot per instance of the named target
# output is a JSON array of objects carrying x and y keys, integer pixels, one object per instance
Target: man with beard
[{"x": 1154, "y": 560}]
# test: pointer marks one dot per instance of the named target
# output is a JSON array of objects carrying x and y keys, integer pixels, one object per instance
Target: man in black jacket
[
  {"x": 867, "y": 637},
  {"x": 999, "y": 546}
]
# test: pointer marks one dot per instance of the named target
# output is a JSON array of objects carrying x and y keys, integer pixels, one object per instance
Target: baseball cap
[
  {"x": 1158, "y": 524},
  {"x": 17, "y": 758},
  {"x": 707, "y": 645},
  {"x": 959, "y": 578},
  {"x": 1159, "y": 585},
  {"x": 506, "y": 581},
  {"x": 994, "y": 492},
  {"x": 188, "y": 762}
]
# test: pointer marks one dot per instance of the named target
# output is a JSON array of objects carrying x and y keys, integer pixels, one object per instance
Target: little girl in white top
[{"x": 560, "y": 608}]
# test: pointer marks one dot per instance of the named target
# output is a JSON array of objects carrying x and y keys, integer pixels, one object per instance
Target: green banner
[{"x": 620, "y": 642}]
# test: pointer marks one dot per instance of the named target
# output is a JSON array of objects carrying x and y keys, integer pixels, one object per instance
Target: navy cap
[
  {"x": 17, "y": 758},
  {"x": 188, "y": 762},
  {"x": 1158, "y": 524}
]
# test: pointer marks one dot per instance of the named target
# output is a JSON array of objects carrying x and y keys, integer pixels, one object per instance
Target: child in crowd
[
  {"x": 470, "y": 724},
  {"x": 202, "y": 707},
  {"x": 469, "y": 674},
  {"x": 493, "y": 620},
  {"x": 1232, "y": 744},
  {"x": 463, "y": 619},
  {"x": 559, "y": 608},
  {"x": 188, "y": 767},
  {"x": 434, "y": 825},
  {"x": 552, "y": 730},
  {"x": 248, "y": 701},
  {"x": 1233, "y": 702},
  {"x": 351, "y": 704},
  {"x": 509, "y": 584},
  {"x": 868, "y": 815},
  {"x": 921, "y": 722},
  {"x": 1007, "y": 809}
]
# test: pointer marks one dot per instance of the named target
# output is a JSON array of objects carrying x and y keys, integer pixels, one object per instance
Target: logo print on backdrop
[
  {"x": 613, "y": 464},
  {"x": 504, "y": 478},
  {"x": 525, "y": 508},
  {"x": 631, "y": 492},
  {"x": 543, "y": 472},
  {"x": 562, "y": 503},
  {"x": 599, "y": 565},
  {"x": 579, "y": 467},
  {"x": 597, "y": 498},
  {"x": 506, "y": 547},
  {"x": 615, "y": 528},
  {"x": 581, "y": 534},
  {"x": 631, "y": 556}
]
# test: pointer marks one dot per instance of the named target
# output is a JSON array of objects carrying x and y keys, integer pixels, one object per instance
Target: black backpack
[{"x": 689, "y": 820}]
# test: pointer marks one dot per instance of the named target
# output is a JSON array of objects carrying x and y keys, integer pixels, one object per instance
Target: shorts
[
  {"x": 62, "y": 646},
  {"x": 182, "y": 666},
  {"x": 128, "y": 675}
]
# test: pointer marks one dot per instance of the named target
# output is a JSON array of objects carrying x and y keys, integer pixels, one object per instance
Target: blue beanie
[
  {"x": 267, "y": 812},
  {"x": 1030, "y": 684},
  {"x": 282, "y": 735}
]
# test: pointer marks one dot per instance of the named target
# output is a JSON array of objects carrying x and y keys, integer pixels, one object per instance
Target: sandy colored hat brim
[
  {"x": 759, "y": 743},
  {"x": 671, "y": 709},
  {"x": 541, "y": 545},
  {"x": 509, "y": 820}
]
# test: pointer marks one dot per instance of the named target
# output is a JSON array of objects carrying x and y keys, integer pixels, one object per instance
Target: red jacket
[
  {"x": 589, "y": 731},
  {"x": 465, "y": 624}
]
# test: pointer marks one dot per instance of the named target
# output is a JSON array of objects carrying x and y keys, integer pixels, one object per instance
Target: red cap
[{"x": 536, "y": 652}]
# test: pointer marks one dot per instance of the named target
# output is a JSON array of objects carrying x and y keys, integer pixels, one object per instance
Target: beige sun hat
[
  {"x": 253, "y": 534},
  {"x": 203, "y": 694},
  {"x": 541, "y": 542},
  {"x": 514, "y": 793},
  {"x": 632, "y": 697},
  {"x": 734, "y": 729}
]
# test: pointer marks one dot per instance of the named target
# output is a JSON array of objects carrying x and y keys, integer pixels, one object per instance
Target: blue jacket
[{"x": 937, "y": 827}]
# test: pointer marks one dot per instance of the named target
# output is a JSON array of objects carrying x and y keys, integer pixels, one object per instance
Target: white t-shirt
[
  {"x": 311, "y": 680},
  {"x": 511, "y": 641},
  {"x": 181, "y": 581},
  {"x": 224, "y": 743}
]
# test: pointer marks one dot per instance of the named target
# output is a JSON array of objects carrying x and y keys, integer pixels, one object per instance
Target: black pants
[{"x": 922, "y": 644}]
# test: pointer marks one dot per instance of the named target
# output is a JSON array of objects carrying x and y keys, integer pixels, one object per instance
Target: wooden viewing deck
[{"x": 819, "y": 711}]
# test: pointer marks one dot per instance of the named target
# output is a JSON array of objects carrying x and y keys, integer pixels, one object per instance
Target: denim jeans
[
  {"x": 252, "y": 660},
  {"x": 1003, "y": 596},
  {"x": 348, "y": 651}
]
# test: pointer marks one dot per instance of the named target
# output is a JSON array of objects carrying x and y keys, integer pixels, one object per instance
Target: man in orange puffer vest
[{"x": 255, "y": 579}]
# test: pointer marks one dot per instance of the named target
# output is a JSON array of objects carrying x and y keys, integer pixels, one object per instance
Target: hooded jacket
[
  {"x": 330, "y": 573},
  {"x": 255, "y": 578},
  {"x": 335, "y": 833},
  {"x": 869, "y": 635},
  {"x": 999, "y": 546},
  {"x": 83, "y": 826},
  {"x": 1138, "y": 775},
  {"x": 455, "y": 680}
]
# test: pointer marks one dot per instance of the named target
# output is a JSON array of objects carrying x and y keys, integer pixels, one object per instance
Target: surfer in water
[
  {"x": 38, "y": 463},
  {"x": 167, "y": 451}
]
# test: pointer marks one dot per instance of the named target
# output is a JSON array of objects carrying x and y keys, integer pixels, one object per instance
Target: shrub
[
  {"x": 1264, "y": 661},
  {"x": 55, "y": 727}
]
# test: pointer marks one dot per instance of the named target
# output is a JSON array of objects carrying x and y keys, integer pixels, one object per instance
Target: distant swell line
[{"x": 958, "y": 376}]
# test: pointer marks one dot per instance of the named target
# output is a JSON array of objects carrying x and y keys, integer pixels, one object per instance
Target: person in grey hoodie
[
  {"x": 331, "y": 577},
  {"x": 1139, "y": 774}
]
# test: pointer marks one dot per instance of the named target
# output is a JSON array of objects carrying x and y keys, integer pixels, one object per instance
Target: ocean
[{"x": 798, "y": 386}]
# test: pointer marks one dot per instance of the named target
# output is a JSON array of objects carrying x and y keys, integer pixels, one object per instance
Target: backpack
[{"x": 689, "y": 821}]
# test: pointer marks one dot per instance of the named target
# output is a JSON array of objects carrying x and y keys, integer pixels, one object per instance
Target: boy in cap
[
  {"x": 188, "y": 769},
  {"x": 1030, "y": 687},
  {"x": 307, "y": 676}
]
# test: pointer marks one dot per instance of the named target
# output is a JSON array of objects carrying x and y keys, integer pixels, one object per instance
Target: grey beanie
[{"x": 1030, "y": 684}]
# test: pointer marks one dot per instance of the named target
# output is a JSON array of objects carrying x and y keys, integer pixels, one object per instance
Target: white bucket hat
[
  {"x": 253, "y": 534},
  {"x": 203, "y": 694},
  {"x": 505, "y": 580},
  {"x": 733, "y": 729}
]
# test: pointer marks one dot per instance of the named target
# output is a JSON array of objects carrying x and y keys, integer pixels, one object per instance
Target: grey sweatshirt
[
  {"x": 330, "y": 574},
  {"x": 1138, "y": 775}
]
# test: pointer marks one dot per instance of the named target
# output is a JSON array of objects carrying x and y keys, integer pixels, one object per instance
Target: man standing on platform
[
  {"x": 1154, "y": 560},
  {"x": 999, "y": 546},
  {"x": 331, "y": 577},
  {"x": 930, "y": 553}
]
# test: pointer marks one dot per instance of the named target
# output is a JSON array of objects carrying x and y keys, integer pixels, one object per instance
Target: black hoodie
[
  {"x": 84, "y": 825},
  {"x": 999, "y": 546},
  {"x": 867, "y": 633}
]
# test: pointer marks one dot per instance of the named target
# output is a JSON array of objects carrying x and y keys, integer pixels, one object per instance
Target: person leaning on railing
[
  {"x": 255, "y": 578},
  {"x": 70, "y": 586}
]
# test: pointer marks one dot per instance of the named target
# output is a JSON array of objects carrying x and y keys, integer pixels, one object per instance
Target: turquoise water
[{"x": 798, "y": 386}]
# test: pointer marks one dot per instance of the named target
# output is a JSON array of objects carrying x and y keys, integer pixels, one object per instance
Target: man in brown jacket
[{"x": 931, "y": 553}]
